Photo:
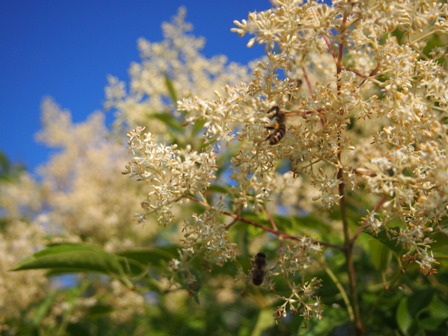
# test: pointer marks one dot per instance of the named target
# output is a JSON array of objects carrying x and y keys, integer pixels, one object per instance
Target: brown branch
[
  {"x": 348, "y": 251},
  {"x": 359, "y": 74},
  {"x": 274, "y": 226},
  {"x": 373, "y": 73},
  {"x": 307, "y": 80},
  {"x": 276, "y": 232},
  {"x": 361, "y": 228},
  {"x": 327, "y": 41},
  {"x": 348, "y": 244}
]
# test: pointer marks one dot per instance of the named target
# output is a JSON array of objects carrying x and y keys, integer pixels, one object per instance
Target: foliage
[{"x": 341, "y": 186}]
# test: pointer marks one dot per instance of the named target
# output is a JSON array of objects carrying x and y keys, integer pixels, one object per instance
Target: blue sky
[{"x": 65, "y": 49}]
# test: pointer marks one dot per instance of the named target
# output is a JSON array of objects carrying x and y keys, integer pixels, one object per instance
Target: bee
[
  {"x": 259, "y": 268},
  {"x": 279, "y": 126}
]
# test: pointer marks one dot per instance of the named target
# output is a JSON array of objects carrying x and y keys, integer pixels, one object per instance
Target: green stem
[{"x": 341, "y": 291}]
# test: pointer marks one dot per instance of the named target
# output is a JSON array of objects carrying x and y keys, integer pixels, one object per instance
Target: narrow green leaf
[
  {"x": 66, "y": 247},
  {"x": 74, "y": 257},
  {"x": 171, "y": 90},
  {"x": 43, "y": 308},
  {"x": 152, "y": 256},
  {"x": 404, "y": 318},
  {"x": 169, "y": 120}
]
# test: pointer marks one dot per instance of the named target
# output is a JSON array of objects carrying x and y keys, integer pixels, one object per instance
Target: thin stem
[
  {"x": 274, "y": 226},
  {"x": 348, "y": 251},
  {"x": 348, "y": 244},
  {"x": 307, "y": 80},
  {"x": 327, "y": 41},
  {"x": 359, "y": 74},
  {"x": 373, "y": 73},
  {"x": 424, "y": 36},
  {"x": 341, "y": 290}
]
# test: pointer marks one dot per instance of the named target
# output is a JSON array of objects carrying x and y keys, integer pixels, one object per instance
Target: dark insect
[
  {"x": 279, "y": 126},
  {"x": 258, "y": 270}
]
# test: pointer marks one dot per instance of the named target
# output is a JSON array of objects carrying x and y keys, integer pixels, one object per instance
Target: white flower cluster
[
  {"x": 303, "y": 301},
  {"x": 178, "y": 59},
  {"x": 291, "y": 193},
  {"x": 298, "y": 255},
  {"x": 295, "y": 259},
  {"x": 171, "y": 173},
  {"x": 181, "y": 273},
  {"x": 384, "y": 81},
  {"x": 83, "y": 197},
  {"x": 19, "y": 290},
  {"x": 373, "y": 223},
  {"x": 415, "y": 239},
  {"x": 358, "y": 106},
  {"x": 207, "y": 233}
]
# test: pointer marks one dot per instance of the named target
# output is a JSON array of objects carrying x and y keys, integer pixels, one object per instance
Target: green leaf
[
  {"x": 171, "y": 90},
  {"x": 153, "y": 256},
  {"x": 99, "y": 310},
  {"x": 218, "y": 189},
  {"x": 438, "y": 314},
  {"x": 43, "y": 308},
  {"x": 438, "y": 308},
  {"x": 309, "y": 224},
  {"x": 420, "y": 300},
  {"x": 169, "y": 120},
  {"x": 198, "y": 126},
  {"x": 75, "y": 258},
  {"x": 387, "y": 241},
  {"x": 9, "y": 171},
  {"x": 380, "y": 255},
  {"x": 440, "y": 239},
  {"x": 409, "y": 310},
  {"x": 264, "y": 321},
  {"x": 404, "y": 318}
]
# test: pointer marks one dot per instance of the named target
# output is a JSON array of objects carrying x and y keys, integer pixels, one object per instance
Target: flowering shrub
[
  {"x": 367, "y": 120},
  {"x": 329, "y": 151}
]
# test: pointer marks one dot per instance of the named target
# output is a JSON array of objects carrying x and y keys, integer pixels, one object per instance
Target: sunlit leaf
[
  {"x": 76, "y": 258},
  {"x": 152, "y": 256}
]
